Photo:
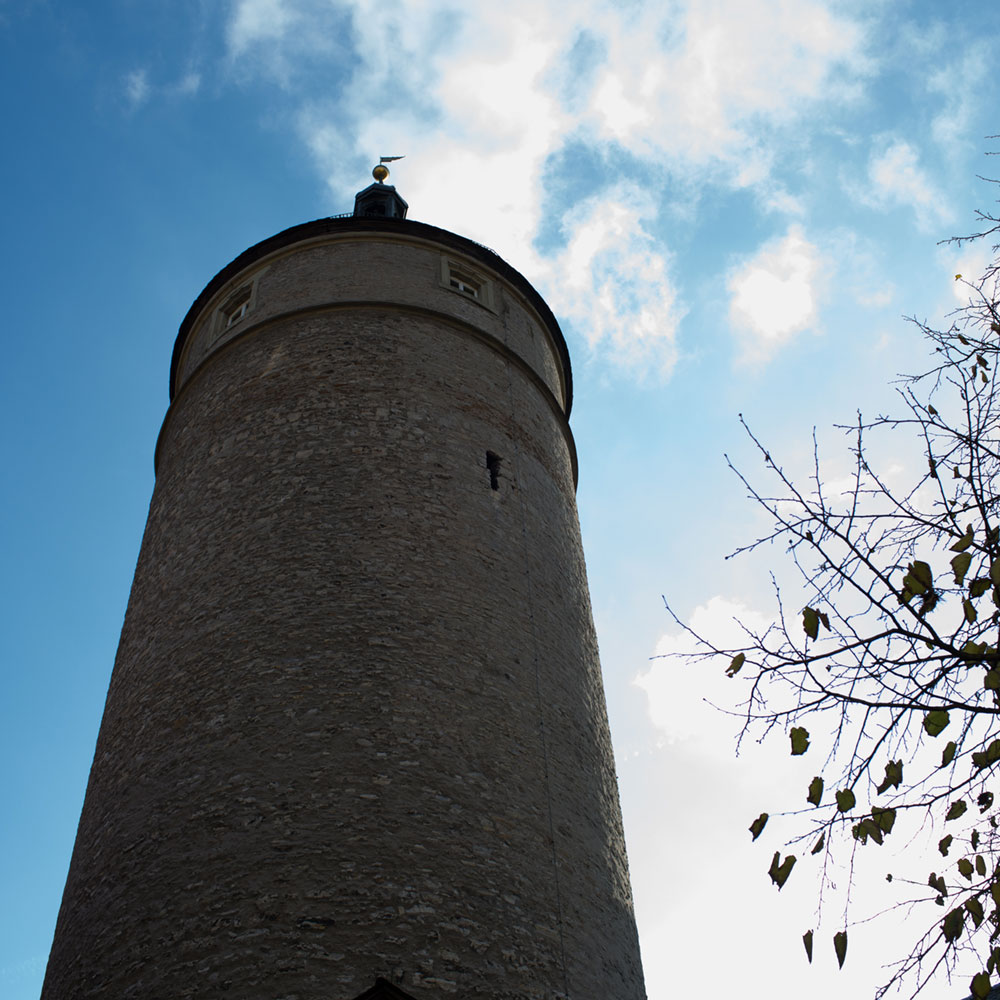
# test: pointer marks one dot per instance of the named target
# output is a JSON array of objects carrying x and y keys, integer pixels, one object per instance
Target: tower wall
[{"x": 356, "y": 725}]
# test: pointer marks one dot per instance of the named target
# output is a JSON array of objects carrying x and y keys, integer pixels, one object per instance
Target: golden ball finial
[{"x": 380, "y": 172}]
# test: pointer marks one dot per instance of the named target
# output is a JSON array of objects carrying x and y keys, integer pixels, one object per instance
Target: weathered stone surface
[{"x": 356, "y": 726}]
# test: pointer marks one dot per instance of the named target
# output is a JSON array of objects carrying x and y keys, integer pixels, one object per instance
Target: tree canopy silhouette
[{"x": 889, "y": 673}]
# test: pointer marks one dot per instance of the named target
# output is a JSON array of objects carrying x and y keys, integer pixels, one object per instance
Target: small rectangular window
[
  {"x": 234, "y": 308},
  {"x": 465, "y": 284},
  {"x": 238, "y": 312},
  {"x": 464, "y": 280}
]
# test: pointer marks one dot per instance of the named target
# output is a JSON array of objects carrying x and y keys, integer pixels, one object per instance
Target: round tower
[{"x": 355, "y": 741}]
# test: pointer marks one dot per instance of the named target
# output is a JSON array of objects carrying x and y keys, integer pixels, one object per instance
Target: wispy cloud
[
  {"x": 256, "y": 21},
  {"x": 960, "y": 83},
  {"x": 139, "y": 90},
  {"x": 896, "y": 179},
  {"x": 188, "y": 85},
  {"x": 614, "y": 283},
  {"x": 136, "y": 87}
]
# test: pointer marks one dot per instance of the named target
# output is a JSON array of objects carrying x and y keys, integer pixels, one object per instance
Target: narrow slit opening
[{"x": 493, "y": 465}]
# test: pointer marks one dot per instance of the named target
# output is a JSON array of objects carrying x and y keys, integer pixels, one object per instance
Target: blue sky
[{"x": 729, "y": 204}]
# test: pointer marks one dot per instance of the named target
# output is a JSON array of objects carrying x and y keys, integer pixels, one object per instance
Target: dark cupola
[{"x": 380, "y": 199}]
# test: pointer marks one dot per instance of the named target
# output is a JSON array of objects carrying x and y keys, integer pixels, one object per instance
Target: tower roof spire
[{"x": 381, "y": 199}]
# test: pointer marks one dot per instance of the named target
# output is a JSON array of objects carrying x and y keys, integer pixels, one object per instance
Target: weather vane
[{"x": 382, "y": 171}]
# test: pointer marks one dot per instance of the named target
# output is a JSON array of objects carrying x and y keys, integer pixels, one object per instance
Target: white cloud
[
  {"x": 960, "y": 83},
  {"x": 614, "y": 283},
  {"x": 480, "y": 101},
  {"x": 692, "y": 82},
  {"x": 970, "y": 261},
  {"x": 256, "y": 21},
  {"x": 684, "y": 83},
  {"x": 685, "y": 697},
  {"x": 781, "y": 200},
  {"x": 137, "y": 88},
  {"x": 139, "y": 91},
  {"x": 895, "y": 178},
  {"x": 188, "y": 85},
  {"x": 773, "y": 294}
]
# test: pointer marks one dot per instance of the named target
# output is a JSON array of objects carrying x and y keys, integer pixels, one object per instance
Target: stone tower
[{"x": 355, "y": 742}]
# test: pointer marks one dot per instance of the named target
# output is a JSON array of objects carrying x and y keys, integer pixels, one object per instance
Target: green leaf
[
  {"x": 980, "y": 985},
  {"x": 948, "y": 754},
  {"x": 807, "y": 940},
  {"x": 980, "y": 866},
  {"x": 984, "y": 800},
  {"x": 818, "y": 846},
  {"x": 975, "y": 909},
  {"x": 964, "y": 542},
  {"x": 815, "y": 791},
  {"x": 937, "y": 883},
  {"x": 840, "y": 947},
  {"x": 995, "y": 893},
  {"x": 918, "y": 578},
  {"x": 991, "y": 682},
  {"x": 979, "y": 586},
  {"x": 800, "y": 741},
  {"x": 893, "y": 775},
  {"x": 956, "y": 809},
  {"x": 944, "y": 843},
  {"x": 779, "y": 872},
  {"x": 995, "y": 572},
  {"x": 965, "y": 868},
  {"x": 936, "y": 721},
  {"x": 952, "y": 924},
  {"x": 845, "y": 800},
  {"x": 865, "y": 829},
  {"x": 885, "y": 818},
  {"x": 969, "y": 608},
  {"x": 810, "y": 622},
  {"x": 960, "y": 566},
  {"x": 734, "y": 667},
  {"x": 757, "y": 826}
]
